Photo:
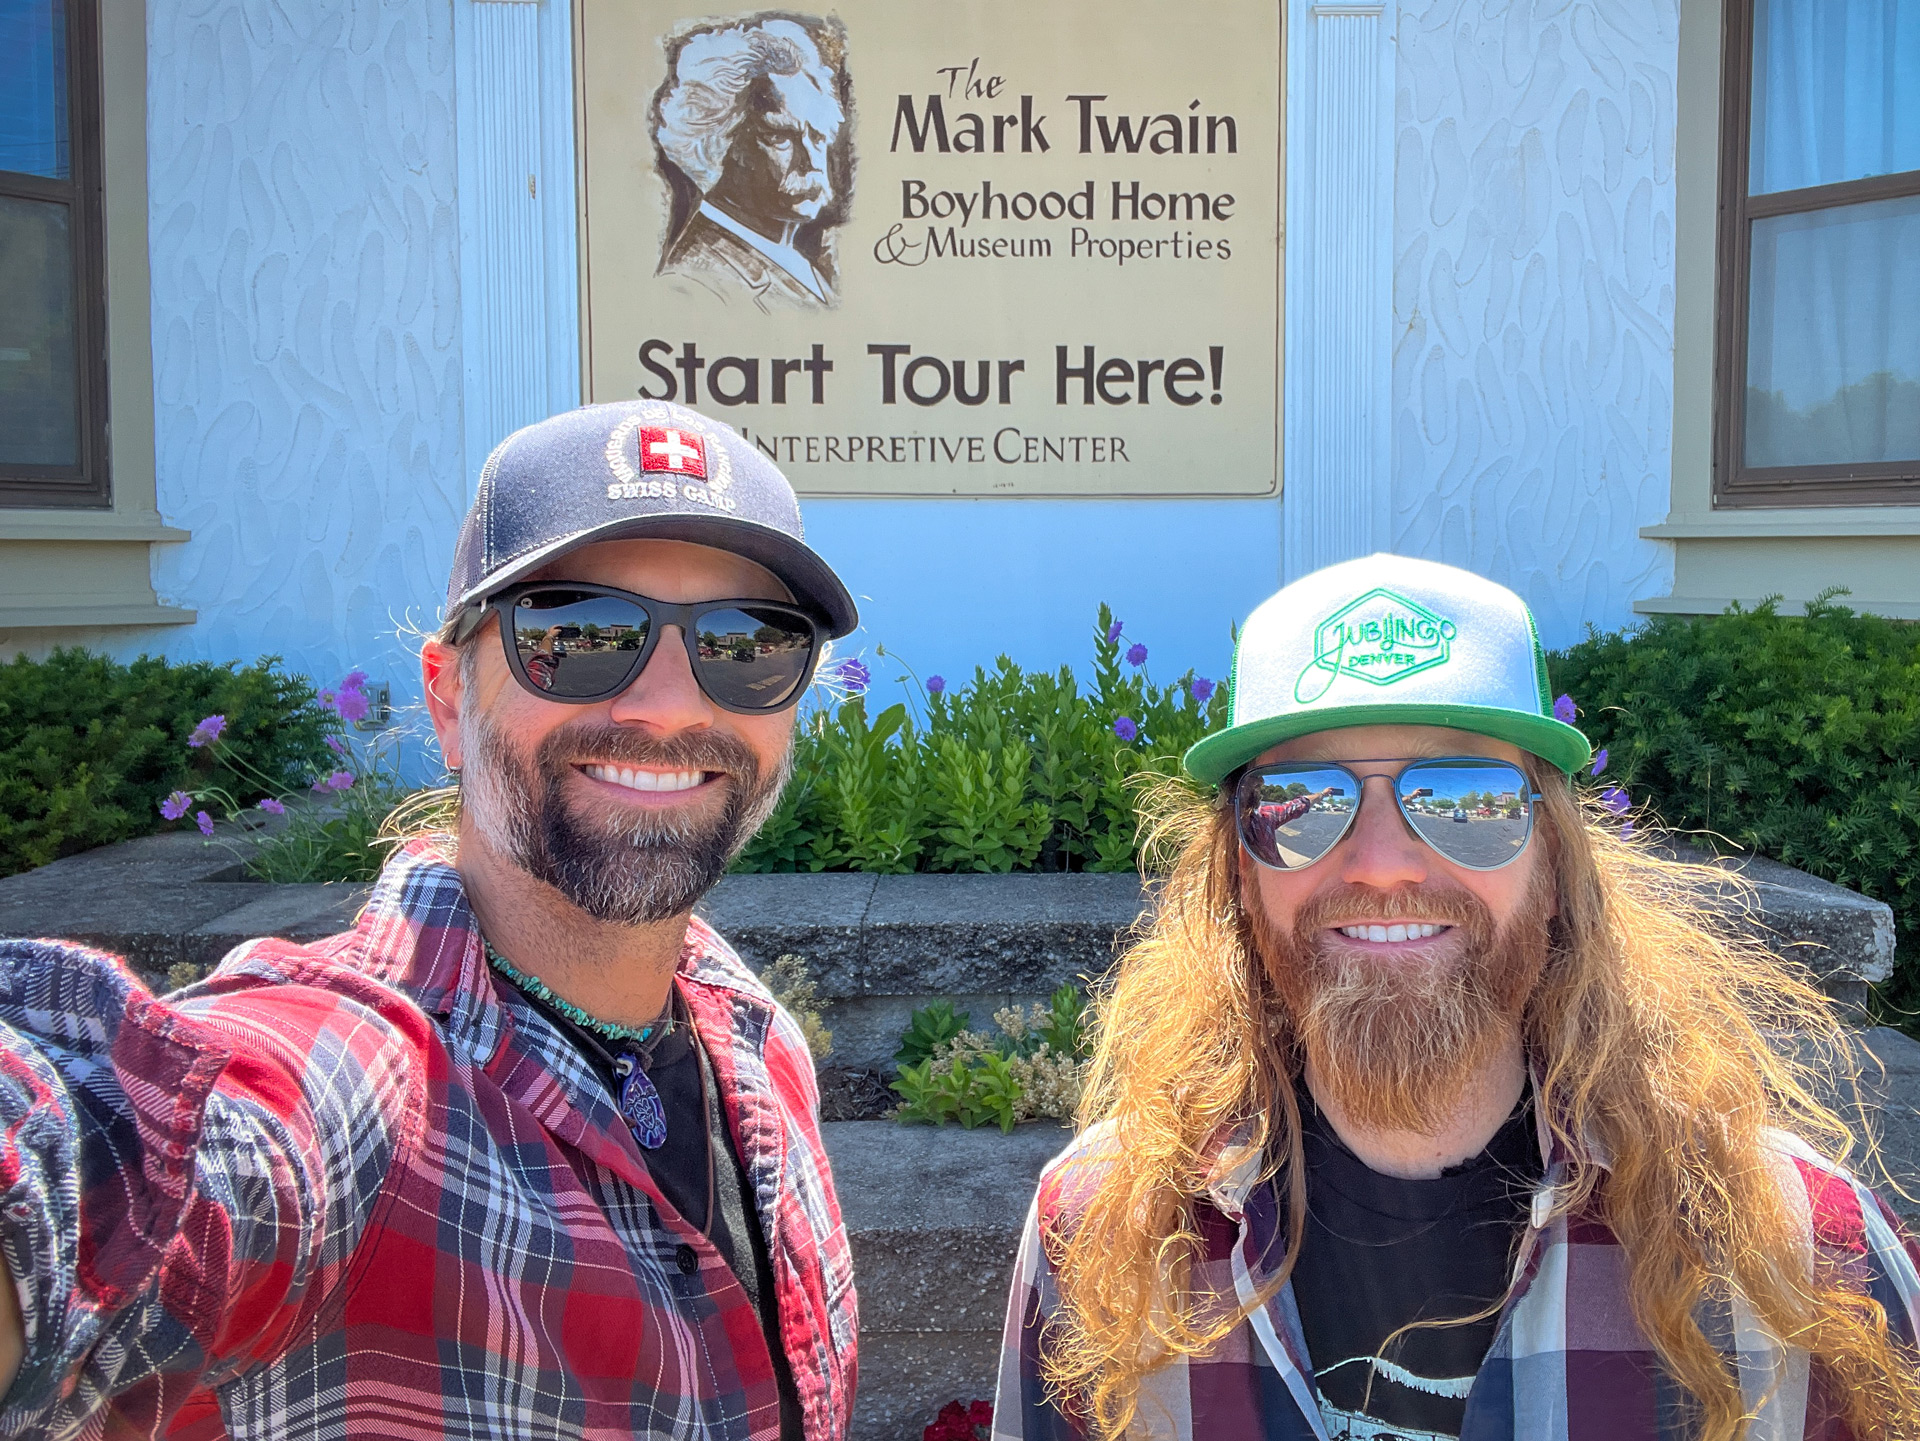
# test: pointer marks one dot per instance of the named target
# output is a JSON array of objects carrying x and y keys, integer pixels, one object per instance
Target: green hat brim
[{"x": 1212, "y": 759}]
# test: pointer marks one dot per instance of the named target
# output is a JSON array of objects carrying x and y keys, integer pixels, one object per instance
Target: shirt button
[{"x": 687, "y": 1259}]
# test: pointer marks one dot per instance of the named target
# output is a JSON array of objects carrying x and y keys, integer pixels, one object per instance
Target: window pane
[
  {"x": 39, "y": 420},
  {"x": 1833, "y": 349},
  {"x": 33, "y": 87},
  {"x": 1836, "y": 91}
]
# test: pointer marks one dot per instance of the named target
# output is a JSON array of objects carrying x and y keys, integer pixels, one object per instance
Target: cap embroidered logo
[
  {"x": 678, "y": 451},
  {"x": 1380, "y": 638}
]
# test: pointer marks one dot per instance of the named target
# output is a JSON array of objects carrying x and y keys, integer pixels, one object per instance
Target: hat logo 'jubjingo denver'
[
  {"x": 1380, "y": 638},
  {"x": 681, "y": 455}
]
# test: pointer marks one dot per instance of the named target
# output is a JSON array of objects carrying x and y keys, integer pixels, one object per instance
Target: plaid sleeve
[
  {"x": 181, "y": 1183},
  {"x": 1022, "y": 1409}
]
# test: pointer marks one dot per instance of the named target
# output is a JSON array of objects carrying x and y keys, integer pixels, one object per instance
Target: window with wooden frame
[
  {"x": 53, "y": 332},
  {"x": 1817, "y": 384}
]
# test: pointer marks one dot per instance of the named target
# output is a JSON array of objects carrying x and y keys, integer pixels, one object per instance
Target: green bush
[
  {"x": 89, "y": 746},
  {"x": 1011, "y": 772},
  {"x": 1797, "y": 738}
]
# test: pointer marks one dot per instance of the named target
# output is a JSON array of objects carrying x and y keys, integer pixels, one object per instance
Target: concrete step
[{"x": 934, "y": 1216}]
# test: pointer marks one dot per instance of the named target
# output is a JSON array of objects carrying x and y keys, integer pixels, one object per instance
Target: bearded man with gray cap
[
  {"x": 1432, "y": 1107},
  {"x": 529, "y": 1151}
]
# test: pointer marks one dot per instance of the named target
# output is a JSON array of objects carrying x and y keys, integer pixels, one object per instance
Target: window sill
[
  {"x": 1787, "y": 524},
  {"x": 99, "y": 526},
  {"x": 67, "y": 617},
  {"x": 1717, "y": 605}
]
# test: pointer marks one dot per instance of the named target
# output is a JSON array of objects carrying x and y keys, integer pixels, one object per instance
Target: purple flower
[
  {"x": 935, "y": 685},
  {"x": 1136, "y": 654},
  {"x": 355, "y": 680},
  {"x": 1563, "y": 710},
  {"x": 1614, "y": 799},
  {"x": 1600, "y": 761},
  {"x": 340, "y": 781},
  {"x": 204, "y": 821},
  {"x": 352, "y": 705},
  {"x": 176, "y": 805},
  {"x": 1125, "y": 729},
  {"x": 336, "y": 745},
  {"x": 850, "y": 675},
  {"x": 272, "y": 807},
  {"x": 1113, "y": 632},
  {"x": 207, "y": 732},
  {"x": 1202, "y": 689}
]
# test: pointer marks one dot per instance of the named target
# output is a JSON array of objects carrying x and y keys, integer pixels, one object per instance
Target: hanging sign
[{"x": 993, "y": 248}]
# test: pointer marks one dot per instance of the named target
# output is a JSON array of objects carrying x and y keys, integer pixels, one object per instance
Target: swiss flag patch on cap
[{"x": 678, "y": 452}]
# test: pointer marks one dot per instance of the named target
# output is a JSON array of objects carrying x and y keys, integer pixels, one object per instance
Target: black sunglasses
[
  {"x": 578, "y": 643},
  {"x": 1477, "y": 813}
]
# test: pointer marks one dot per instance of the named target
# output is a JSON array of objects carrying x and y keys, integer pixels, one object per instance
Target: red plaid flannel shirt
[{"x": 361, "y": 1188}]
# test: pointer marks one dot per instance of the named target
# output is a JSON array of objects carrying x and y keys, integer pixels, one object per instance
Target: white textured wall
[
  {"x": 306, "y": 324},
  {"x": 1533, "y": 296}
]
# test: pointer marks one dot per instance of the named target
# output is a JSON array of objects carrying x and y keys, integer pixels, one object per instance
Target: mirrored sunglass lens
[
  {"x": 1474, "y": 812},
  {"x": 751, "y": 657},
  {"x": 573, "y": 643},
  {"x": 1290, "y": 816}
]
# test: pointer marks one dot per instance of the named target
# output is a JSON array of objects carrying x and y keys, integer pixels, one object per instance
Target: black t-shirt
[
  {"x": 1380, "y": 1252},
  {"x": 679, "y": 1168}
]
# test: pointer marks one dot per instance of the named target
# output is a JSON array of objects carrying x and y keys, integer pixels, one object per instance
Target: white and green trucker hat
[{"x": 1388, "y": 640}]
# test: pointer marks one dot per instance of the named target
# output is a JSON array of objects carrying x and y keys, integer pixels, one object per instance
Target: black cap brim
[{"x": 804, "y": 573}]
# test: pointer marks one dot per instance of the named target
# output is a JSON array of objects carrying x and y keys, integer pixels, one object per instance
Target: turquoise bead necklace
[{"x": 612, "y": 1030}]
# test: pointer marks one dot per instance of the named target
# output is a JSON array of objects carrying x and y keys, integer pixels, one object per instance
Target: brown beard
[
  {"x": 632, "y": 870},
  {"x": 1394, "y": 1045}
]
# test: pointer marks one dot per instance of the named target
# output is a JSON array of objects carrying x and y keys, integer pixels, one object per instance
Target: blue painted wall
[
  {"x": 952, "y": 583},
  {"x": 306, "y": 323},
  {"x": 306, "y": 299}
]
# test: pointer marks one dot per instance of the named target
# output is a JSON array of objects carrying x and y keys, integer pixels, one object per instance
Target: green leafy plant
[
  {"x": 1033, "y": 1068},
  {"x": 90, "y": 746},
  {"x": 1013, "y": 771},
  {"x": 930, "y": 1028},
  {"x": 1796, "y": 737}
]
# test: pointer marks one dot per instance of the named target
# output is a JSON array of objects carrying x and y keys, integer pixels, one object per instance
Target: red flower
[{"x": 958, "y": 1422}]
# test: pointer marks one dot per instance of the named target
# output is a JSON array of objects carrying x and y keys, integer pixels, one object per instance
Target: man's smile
[
  {"x": 1391, "y": 931},
  {"x": 654, "y": 785}
]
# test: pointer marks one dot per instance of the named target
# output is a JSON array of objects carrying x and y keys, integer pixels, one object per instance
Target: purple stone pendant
[{"x": 641, "y": 1109}]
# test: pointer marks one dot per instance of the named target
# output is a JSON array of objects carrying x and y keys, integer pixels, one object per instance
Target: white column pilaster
[
  {"x": 1339, "y": 282},
  {"x": 519, "y": 255}
]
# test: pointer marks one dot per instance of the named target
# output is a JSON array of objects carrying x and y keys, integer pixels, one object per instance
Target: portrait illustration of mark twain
[{"x": 750, "y": 128}]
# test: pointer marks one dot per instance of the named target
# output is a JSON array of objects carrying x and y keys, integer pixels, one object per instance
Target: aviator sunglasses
[
  {"x": 578, "y": 643},
  {"x": 1475, "y": 812}
]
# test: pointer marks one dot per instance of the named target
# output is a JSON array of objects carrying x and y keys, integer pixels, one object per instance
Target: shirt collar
[
  {"x": 784, "y": 256},
  {"x": 1232, "y": 1163},
  {"x": 419, "y": 935}
]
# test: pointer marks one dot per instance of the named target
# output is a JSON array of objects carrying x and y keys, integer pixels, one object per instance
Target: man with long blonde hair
[{"x": 1428, "y": 1106}]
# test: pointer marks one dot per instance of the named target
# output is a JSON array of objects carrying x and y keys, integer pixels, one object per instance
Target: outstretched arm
[{"x": 182, "y": 1184}]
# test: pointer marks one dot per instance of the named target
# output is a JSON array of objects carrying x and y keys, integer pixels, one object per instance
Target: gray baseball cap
[{"x": 627, "y": 469}]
